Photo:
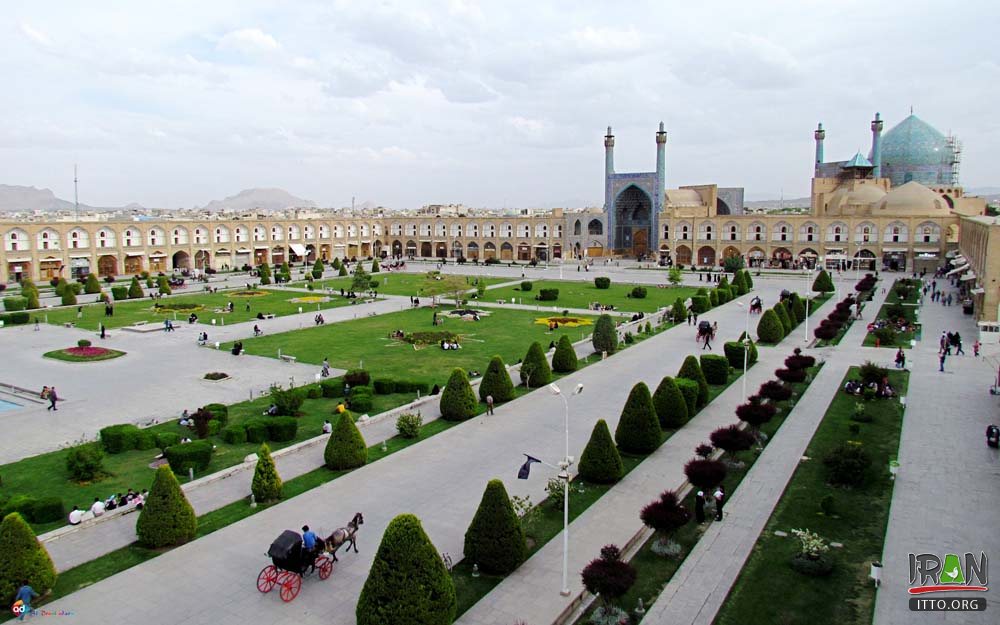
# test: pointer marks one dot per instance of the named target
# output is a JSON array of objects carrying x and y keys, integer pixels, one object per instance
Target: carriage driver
[{"x": 309, "y": 542}]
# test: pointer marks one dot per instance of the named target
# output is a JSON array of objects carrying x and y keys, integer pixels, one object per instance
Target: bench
[
  {"x": 288, "y": 358},
  {"x": 501, "y": 301},
  {"x": 69, "y": 324},
  {"x": 269, "y": 316}
]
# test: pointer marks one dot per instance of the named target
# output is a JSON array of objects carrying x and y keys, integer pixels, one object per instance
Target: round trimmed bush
[
  {"x": 458, "y": 402},
  {"x": 609, "y": 576},
  {"x": 332, "y": 387},
  {"x": 691, "y": 370},
  {"x": 847, "y": 464},
  {"x": 407, "y": 583},
  {"x": 701, "y": 304},
  {"x": 564, "y": 359},
  {"x": 755, "y": 412},
  {"x": 256, "y": 430},
  {"x": 602, "y": 282},
  {"x": 670, "y": 405},
  {"x": 799, "y": 361},
  {"x": 705, "y": 474},
  {"x": 605, "y": 337},
  {"x": 732, "y": 439},
  {"x": 496, "y": 382},
  {"x": 825, "y": 332},
  {"x": 770, "y": 328},
  {"x": 526, "y": 285},
  {"x": 234, "y": 434},
  {"x": 638, "y": 292},
  {"x": 791, "y": 376},
  {"x": 166, "y": 439},
  {"x": 218, "y": 411},
  {"x": 167, "y": 517},
  {"x": 361, "y": 399},
  {"x": 266, "y": 485},
  {"x": 345, "y": 449},
  {"x": 535, "y": 371},
  {"x": 666, "y": 514},
  {"x": 194, "y": 455},
  {"x": 22, "y": 557},
  {"x": 119, "y": 438},
  {"x": 715, "y": 368},
  {"x": 282, "y": 429},
  {"x": 689, "y": 390},
  {"x": 85, "y": 462},
  {"x": 775, "y": 390},
  {"x": 14, "y": 303},
  {"x": 357, "y": 377},
  {"x": 495, "y": 538},
  {"x": 600, "y": 462},
  {"x": 144, "y": 440},
  {"x": 638, "y": 430}
]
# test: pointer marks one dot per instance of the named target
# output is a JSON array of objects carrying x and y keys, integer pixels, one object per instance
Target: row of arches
[
  {"x": 835, "y": 232},
  {"x": 709, "y": 256}
]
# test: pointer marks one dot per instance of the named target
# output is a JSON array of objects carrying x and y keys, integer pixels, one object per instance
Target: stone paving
[{"x": 454, "y": 467}]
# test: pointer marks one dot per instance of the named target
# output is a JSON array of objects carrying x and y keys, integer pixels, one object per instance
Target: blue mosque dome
[{"x": 914, "y": 150}]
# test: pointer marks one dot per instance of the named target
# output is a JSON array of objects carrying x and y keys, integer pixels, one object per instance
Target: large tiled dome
[
  {"x": 912, "y": 198},
  {"x": 915, "y": 150}
]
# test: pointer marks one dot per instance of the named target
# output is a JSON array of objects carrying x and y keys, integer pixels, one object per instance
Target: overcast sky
[{"x": 177, "y": 103}]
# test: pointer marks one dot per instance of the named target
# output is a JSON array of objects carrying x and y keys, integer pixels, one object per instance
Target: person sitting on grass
[
  {"x": 193, "y": 318},
  {"x": 327, "y": 427},
  {"x": 271, "y": 411},
  {"x": 75, "y": 516}
]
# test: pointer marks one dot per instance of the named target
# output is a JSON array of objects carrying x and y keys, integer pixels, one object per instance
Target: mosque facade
[{"x": 896, "y": 209}]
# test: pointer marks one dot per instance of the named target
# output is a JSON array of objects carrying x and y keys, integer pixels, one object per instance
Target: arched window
[
  {"x": 277, "y": 233},
  {"x": 79, "y": 238},
  {"x": 595, "y": 227},
  {"x": 473, "y": 230},
  {"x": 705, "y": 231},
  {"x": 807, "y": 232},
  {"x": 541, "y": 230},
  {"x": 221, "y": 234},
  {"x": 180, "y": 236},
  {"x": 685, "y": 232},
  {"x": 396, "y": 229},
  {"x": 490, "y": 230},
  {"x": 259, "y": 233},
  {"x": 16, "y": 241},
  {"x": 308, "y": 232},
  {"x": 48, "y": 239},
  {"x": 456, "y": 229},
  {"x": 200, "y": 235},
  {"x": 506, "y": 231},
  {"x": 524, "y": 230},
  {"x": 666, "y": 232},
  {"x": 440, "y": 229},
  {"x": 352, "y": 230},
  {"x": 105, "y": 237},
  {"x": 411, "y": 229},
  {"x": 577, "y": 228},
  {"x": 156, "y": 236}
]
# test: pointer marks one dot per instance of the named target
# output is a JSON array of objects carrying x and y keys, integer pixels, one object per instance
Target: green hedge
[
  {"x": 119, "y": 293},
  {"x": 700, "y": 304},
  {"x": 345, "y": 449},
  {"x": 388, "y": 386},
  {"x": 548, "y": 295},
  {"x": 219, "y": 412},
  {"x": 15, "y": 318},
  {"x": 715, "y": 368},
  {"x": 282, "y": 429},
  {"x": 256, "y": 430},
  {"x": 671, "y": 405},
  {"x": 45, "y": 509},
  {"x": 194, "y": 455},
  {"x": 332, "y": 387},
  {"x": 360, "y": 399},
  {"x": 144, "y": 440},
  {"x": 691, "y": 370},
  {"x": 689, "y": 389},
  {"x": 167, "y": 439},
  {"x": 638, "y": 292},
  {"x": 602, "y": 283},
  {"x": 15, "y": 303},
  {"x": 119, "y": 438},
  {"x": 234, "y": 434}
]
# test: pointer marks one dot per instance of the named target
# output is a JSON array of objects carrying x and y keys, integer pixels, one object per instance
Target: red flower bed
[{"x": 86, "y": 352}]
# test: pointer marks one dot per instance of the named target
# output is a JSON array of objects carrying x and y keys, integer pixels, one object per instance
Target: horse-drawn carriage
[{"x": 291, "y": 561}]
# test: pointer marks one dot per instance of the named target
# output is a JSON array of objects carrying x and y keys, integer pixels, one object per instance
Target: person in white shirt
[
  {"x": 327, "y": 428},
  {"x": 98, "y": 507},
  {"x": 75, "y": 516}
]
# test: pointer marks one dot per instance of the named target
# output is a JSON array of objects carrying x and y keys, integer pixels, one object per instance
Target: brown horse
[{"x": 342, "y": 535}]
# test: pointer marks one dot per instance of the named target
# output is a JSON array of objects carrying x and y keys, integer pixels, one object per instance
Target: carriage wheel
[
  {"x": 267, "y": 578},
  {"x": 290, "y": 587},
  {"x": 325, "y": 566}
]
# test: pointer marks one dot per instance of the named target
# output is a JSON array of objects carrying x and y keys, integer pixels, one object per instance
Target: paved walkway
[{"x": 454, "y": 467}]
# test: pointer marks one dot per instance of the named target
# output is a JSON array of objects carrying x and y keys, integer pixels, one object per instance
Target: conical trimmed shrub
[
  {"x": 740, "y": 284},
  {"x": 535, "y": 371},
  {"x": 30, "y": 292},
  {"x": 164, "y": 285},
  {"x": 747, "y": 279},
  {"x": 671, "y": 409},
  {"x": 713, "y": 297},
  {"x": 317, "y": 270},
  {"x": 407, "y": 583},
  {"x": 605, "y": 336},
  {"x": 823, "y": 283},
  {"x": 167, "y": 517},
  {"x": 769, "y": 328},
  {"x": 342, "y": 271},
  {"x": 679, "y": 312},
  {"x": 600, "y": 462},
  {"x": 266, "y": 485},
  {"x": 638, "y": 430},
  {"x": 336, "y": 263},
  {"x": 22, "y": 557},
  {"x": 496, "y": 382},
  {"x": 691, "y": 369},
  {"x": 134, "y": 290},
  {"x": 458, "y": 402},
  {"x": 92, "y": 285},
  {"x": 786, "y": 321},
  {"x": 564, "y": 360},
  {"x": 495, "y": 538},
  {"x": 799, "y": 309},
  {"x": 345, "y": 449},
  {"x": 68, "y": 297},
  {"x": 375, "y": 266}
]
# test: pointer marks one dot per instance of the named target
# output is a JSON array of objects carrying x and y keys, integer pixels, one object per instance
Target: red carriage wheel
[
  {"x": 267, "y": 578},
  {"x": 290, "y": 587},
  {"x": 325, "y": 566}
]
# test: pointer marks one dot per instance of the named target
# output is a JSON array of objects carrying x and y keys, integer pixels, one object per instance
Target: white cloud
[{"x": 248, "y": 41}]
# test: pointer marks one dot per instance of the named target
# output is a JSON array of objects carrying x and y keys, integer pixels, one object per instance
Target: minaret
[
  {"x": 609, "y": 171},
  {"x": 819, "y": 135},
  {"x": 877, "y": 146},
  {"x": 609, "y": 153},
  {"x": 661, "y": 186}
]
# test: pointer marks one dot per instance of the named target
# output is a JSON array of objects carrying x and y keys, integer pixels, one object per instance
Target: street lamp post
[
  {"x": 564, "y": 475},
  {"x": 808, "y": 274},
  {"x": 746, "y": 347}
]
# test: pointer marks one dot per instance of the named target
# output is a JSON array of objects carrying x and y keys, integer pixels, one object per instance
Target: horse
[{"x": 342, "y": 535}]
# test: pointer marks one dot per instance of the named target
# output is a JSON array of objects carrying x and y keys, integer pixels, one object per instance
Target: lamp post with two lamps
[
  {"x": 808, "y": 272},
  {"x": 746, "y": 346}
]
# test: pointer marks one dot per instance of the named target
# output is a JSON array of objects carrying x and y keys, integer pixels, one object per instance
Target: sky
[{"x": 490, "y": 104}]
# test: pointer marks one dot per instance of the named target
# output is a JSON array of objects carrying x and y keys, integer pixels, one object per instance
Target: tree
[
  {"x": 679, "y": 311},
  {"x": 600, "y": 462},
  {"x": 495, "y": 538},
  {"x": 68, "y": 297},
  {"x": 436, "y": 284},
  {"x": 407, "y": 583},
  {"x": 671, "y": 409},
  {"x": 823, "y": 283},
  {"x": 317, "y": 270},
  {"x": 342, "y": 271},
  {"x": 638, "y": 430},
  {"x": 608, "y": 577},
  {"x": 496, "y": 382},
  {"x": 747, "y": 279},
  {"x": 739, "y": 283},
  {"x": 458, "y": 402},
  {"x": 665, "y": 515},
  {"x": 755, "y": 412},
  {"x": 336, "y": 263},
  {"x": 769, "y": 328},
  {"x": 22, "y": 558},
  {"x": 691, "y": 370},
  {"x": 799, "y": 309},
  {"x": 375, "y": 266},
  {"x": 564, "y": 360},
  {"x": 732, "y": 264},
  {"x": 361, "y": 281},
  {"x": 164, "y": 285},
  {"x": 266, "y": 484},
  {"x": 167, "y": 517},
  {"x": 134, "y": 290},
  {"x": 30, "y": 292},
  {"x": 605, "y": 336},
  {"x": 286, "y": 272},
  {"x": 264, "y": 271},
  {"x": 732, "y": 439},
  {"x": 535, "y": 371},
  {"x": 92, "y": 286},
  {"x": 345, "y": 449},
  {"x": 674, "y": 275},
  {"x": 786, "y": 321}
]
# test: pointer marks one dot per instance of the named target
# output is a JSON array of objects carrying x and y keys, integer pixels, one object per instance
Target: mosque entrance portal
[{"x": 633, "y": 222}]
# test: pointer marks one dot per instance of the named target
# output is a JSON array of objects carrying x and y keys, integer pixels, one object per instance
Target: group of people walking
[{"x": 718, "y": 497}]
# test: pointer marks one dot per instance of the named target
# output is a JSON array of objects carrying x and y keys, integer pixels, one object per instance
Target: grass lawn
[
  {"x": 893, "y": 306},
  {"x": 207, "y": 306},
  {"x": 508, "y": 333},
  {"x": 63, "y": 354},
  {"x": 655, "y": 571},
  {"x": 394, "y": 283},
  {"x": 582, "y": 294},
  {"x": 858, "y": 521}
]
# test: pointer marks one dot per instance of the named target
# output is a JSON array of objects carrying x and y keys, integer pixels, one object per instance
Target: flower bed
[
  {"x": 246, "y": 293},
  {"x": 430, "y": 338},
  {"x": 569, "y": 322},
  {"x": 309, "y": 299},
  {"x": 176, "y": 307},
  {"x": 84, "y": 354}
]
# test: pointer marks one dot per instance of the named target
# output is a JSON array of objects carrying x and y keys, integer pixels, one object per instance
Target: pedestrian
[
  {"x": 708, "y": 338},
  {"x": 957, "y": 338},
  {"x": 489, "y": 404},
  {"x": 25, "y": 594},
  {"x": 941, "y": 356},
  {"x": 53, "y": 398},
  {"x": 900, "y": 358},
  {"x": 689, "y": 317},
  {"x": 699, "y": 507},
  {"x": 696, "y": 316},
  {"x": 103, "y": 332},
  {"x": 79, "y": 312},
  {"x": 720, "y": 501},
  {"x": 975, "y": 348},
  {"x": 37, "y": 328}
]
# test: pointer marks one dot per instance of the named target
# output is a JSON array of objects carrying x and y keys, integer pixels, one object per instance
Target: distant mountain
[
  {"x": 263, "y": 199},
  {"x": 18, "y": 198},
  {"x": 787, "y": 203}
]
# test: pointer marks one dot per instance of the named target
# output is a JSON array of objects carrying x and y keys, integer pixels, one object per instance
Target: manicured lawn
[
  {"x": 508, "y": 333},
  {"x": 582, "y": 294},
  {"x": 99, "y": 353},
  {"x": 893, "y": 303},
  {"x": 207, "y": 306},
  {"x": 858, "y": 521},
  {"x": 395, "y": 283}
]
